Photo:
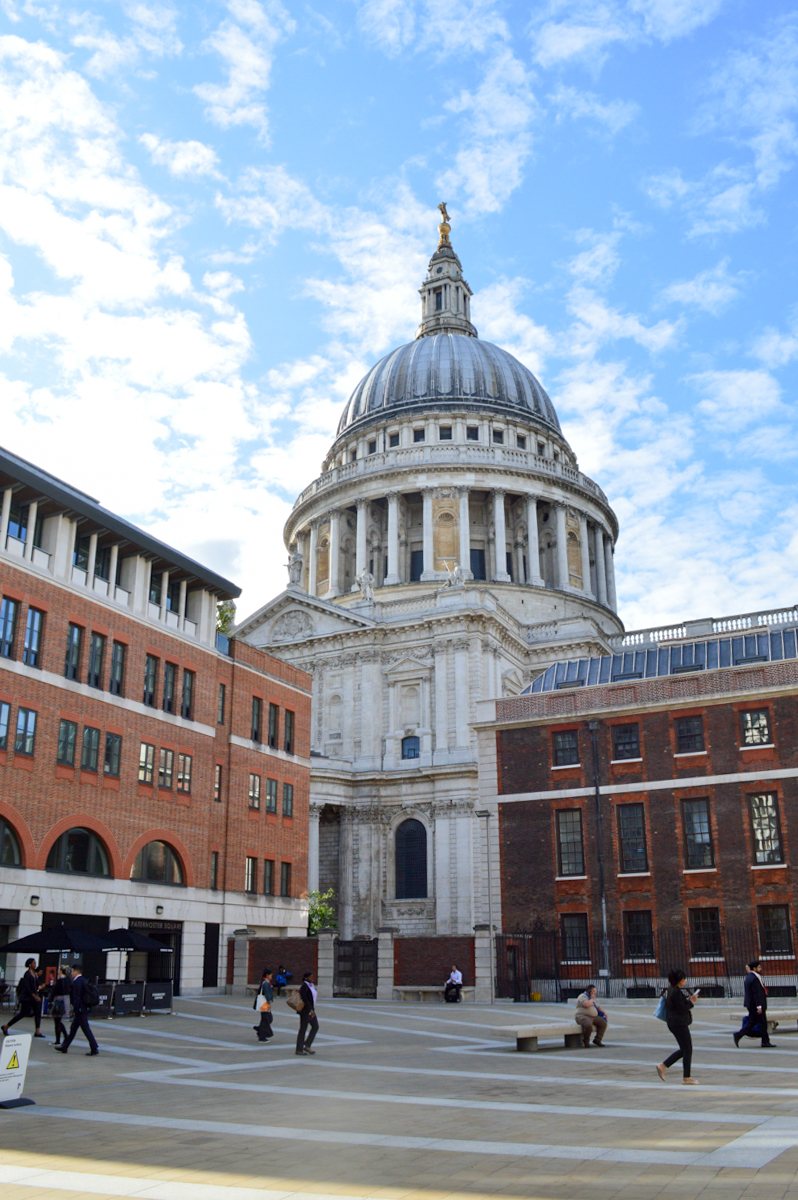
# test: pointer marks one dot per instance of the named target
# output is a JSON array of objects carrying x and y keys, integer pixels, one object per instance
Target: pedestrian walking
[
  {"x": 756, "y": 1001},
  {"x": 307, "y": 1015},
  {"x": 590, "y": 1017},
  {"x": 678, "y": 1008},
  {"x": 30, "y": 1001},
  {"x": 83, "y": 995},
  {"x": 454, "y": 985},
  {"x": 263, "y": 1005},
  {"x": 59, "y": 994}
]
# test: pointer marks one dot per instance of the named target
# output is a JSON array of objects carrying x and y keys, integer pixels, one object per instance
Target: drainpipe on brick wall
[{"x": 594, "y": 727}]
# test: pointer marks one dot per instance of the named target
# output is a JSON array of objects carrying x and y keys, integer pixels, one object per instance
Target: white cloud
[
  {"x": 722, "y": 202},
  {"x": 599, "y": 261},
  {"x": 598, "y": 323},
  {"x": 612, "y": 115},
  {"x": 776, "y": 349},
  {"x": 181, "y": 158},
  {"x": 711, "y": 290},
  {"x": 152, "y": 33},
  {"x": 734, "y": 399},
  {"x": 496, "y": 311},
  {"x": 246, "y": 45},
  {"x": 391, "y": 24}
]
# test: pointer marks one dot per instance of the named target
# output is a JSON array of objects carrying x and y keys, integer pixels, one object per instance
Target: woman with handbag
[
  {"x": 263, "y": 1005},
  {"x": 59, "y": 999},
  {"x": 305, "y": 1005},
  {"x": 678, "y": 1014}
]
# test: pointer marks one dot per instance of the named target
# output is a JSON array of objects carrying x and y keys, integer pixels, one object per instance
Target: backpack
[{"x": 91, "y": 994}]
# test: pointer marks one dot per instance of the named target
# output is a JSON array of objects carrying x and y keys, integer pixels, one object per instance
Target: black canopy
[{"x": 54, "y": 941}]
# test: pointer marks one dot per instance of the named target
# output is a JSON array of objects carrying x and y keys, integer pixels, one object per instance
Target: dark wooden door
[{"x": 356, "y": 968}]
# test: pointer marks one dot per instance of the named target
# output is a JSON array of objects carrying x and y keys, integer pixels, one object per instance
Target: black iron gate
[{"x": 356, "y": 968}]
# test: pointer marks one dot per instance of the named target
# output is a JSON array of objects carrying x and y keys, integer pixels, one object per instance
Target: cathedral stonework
[{"x": 449, "y": 551}]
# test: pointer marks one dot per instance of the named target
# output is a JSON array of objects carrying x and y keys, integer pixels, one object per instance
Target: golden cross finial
[{"x": 444, "y": 229}]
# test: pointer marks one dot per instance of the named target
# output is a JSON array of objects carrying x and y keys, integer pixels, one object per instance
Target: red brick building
[
  {"x": 647, "y": 806},
  {"x": 151, "y": 773}
]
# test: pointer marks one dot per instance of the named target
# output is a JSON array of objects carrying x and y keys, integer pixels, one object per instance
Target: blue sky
[{"x": 213, "y": 219}]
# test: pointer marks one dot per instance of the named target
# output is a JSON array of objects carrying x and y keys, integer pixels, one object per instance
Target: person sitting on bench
[{"x": 453, "y": 987}]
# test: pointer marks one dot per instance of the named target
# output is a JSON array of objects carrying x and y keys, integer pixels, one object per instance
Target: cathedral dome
[{"x": 448, "y": 369}]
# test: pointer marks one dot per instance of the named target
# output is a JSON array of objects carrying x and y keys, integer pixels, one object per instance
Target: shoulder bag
[{"x": 296, "y": 1002}]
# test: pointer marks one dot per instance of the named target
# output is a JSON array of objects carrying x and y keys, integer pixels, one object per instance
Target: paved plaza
[{"x": 420, "y": 1101}]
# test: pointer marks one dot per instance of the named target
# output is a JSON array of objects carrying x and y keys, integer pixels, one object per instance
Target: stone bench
[
  {"x": 785, "y": 1019},
  {"x": 428, "y": 992},
  {"x": 526, "y": 1036}
]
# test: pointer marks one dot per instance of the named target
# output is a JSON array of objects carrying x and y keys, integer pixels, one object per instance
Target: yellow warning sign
[{"x": 14, "y": 1064}]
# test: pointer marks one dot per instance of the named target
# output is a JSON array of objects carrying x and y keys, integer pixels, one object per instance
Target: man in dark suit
[
  {"x": 30, "y": 1001},
  {"x": 307, "y": 1017},
  {"x": 80, "y": 1018},
  {"x": 756, "y": 1001}
]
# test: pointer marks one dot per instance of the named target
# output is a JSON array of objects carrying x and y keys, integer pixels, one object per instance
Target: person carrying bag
[
  {"x": 305, "y": 1005},
  {"x": 263, "y": 1005}
]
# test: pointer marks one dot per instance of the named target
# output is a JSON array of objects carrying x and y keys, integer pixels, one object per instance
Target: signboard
[
  {"x": 103, "y": 1009},
  {"x": 158, "y": 996},
  {"x": 13, "y": 1065},
  {"x": 128, "y": 997}
]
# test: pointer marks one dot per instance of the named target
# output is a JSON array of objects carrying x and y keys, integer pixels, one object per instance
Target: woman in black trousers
[
  {"x": 59, "y": 1003},
  {"x": 678, "y": 1009},
  {"x": 307, "y": 1017}
]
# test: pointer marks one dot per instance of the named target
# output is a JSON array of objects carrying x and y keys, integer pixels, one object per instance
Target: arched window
[
  {"x": 79, "y": 852},
  {"x": 411, "y": 861},
  {"x": 157, "y": 863},
  {"x": 10, "y": 853},
  {"x": 411, "y": 747}
]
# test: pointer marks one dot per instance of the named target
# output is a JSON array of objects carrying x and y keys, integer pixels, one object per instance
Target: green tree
[
  {"x": 321, "y": 914},
  {"x": 225, "y": 616}
]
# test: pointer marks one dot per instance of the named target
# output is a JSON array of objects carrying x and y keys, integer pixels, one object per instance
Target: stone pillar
[
  {"x": 601, "y": 567},
  {"x": 313, "y": 563},
  {"x": 534, "y": 576},
  {"x": 500, "y": 543},
  {"x": 461, "y": 692},
  {"x": 5, "y": 513},
  {"x": 313, "y": 848},
  {"x": 562, "y": 548},
  {"x": 483, "y": 963},
  {"x": 585, "y": 546},
  {"x": 33, "y": 510},
  {"x": 519, "y": 560},
  {"x": 181, "y": 603},
  {"x": 393, "y": 540},
  {"x": 361, "y": 552},
  {"x": 164, "y": 591},
  {"x": 335, "y": 553},
  {"x": 240, "y": 964},
  {"x": 428, "y": 569},
  {"x": 112, "y": 569},
  {"x": 441, "y": 703},
  {"x": 346, "y": 872},
  {"x": 325, "y": 966},
  {"x": 92, "y": 562},
  {"x": 465, "y": 531},
  {"x": 385, "y": 962},
  {"x": 609, "y": 565}
]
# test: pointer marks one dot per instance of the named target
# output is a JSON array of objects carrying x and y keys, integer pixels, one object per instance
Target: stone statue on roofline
[
  {"x": 295, "y": 564},
  {"x": 454, "y": 575},
  {"x": 365, "y": 581}
]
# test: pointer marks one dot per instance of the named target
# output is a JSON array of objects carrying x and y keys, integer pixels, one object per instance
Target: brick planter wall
[
  {"x": 428, "y": 960},
  {"x": 297, "y": 954}
]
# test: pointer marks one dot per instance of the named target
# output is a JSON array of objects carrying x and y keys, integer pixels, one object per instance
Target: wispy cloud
[
  {"x": 181, "y": 158},
  {"x": 609, "y": 116},
  {"x": 712, "y": 290},
  {"x": 736, "y": 399}
]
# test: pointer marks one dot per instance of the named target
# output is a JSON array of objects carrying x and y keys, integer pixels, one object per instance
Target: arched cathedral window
[
  {"x": 411, "y": 747},
  {"x": 411, "y": 861}
]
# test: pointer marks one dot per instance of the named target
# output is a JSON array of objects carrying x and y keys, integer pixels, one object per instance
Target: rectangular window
[
  {"x": 150, "y": 679},
  {"x": 72, "y": 660},
  {"x": 274, "y": 719},
  {"x": 566, "y": 748},
  {"x": 32, "y": 650},
  {"x": 698, "y": 850},
  {"x": 438, "y": 299},
  {"x": 520, "y": 441},
  {"x": 775, "y": 934},
  {"x": 271, "y": 795},
  {"x": 8, "y": 625},
  {"x": 220, "y": 705},
  {"x": 575, "y": 941},
  {"x": 570, "y": 851},
  {"x": 498, "y": 437},
  {"x": 80, "y": 556},
  {"x": 254, "y": 791},
  {"x": 146, "y": 762},
  {"x": 625, "y": 741},
  {"x": 173, "y": 596},
  {"x": 250, "y": 874},
  {"x": 419, "y": 435},
  {"x": 445, "y": 433},
  {"x": 217, "y": 782},
  {"x": 289, "y": 732},
  {"x": 166, "y": 768},
  {"x": 91, "y": 749},
  {"x": 472, "y": 433},
  {"x": 632, "y": 838},
  {"x": 5, "y": 715},
  {"x": 214, "y": 870},
  {"x": 67, "y": 737},
  {"x": 102, "y": 563},
  {"x": 372, "y": 447},
  {"x": 155, "y": 588},
  {"x": 169, "y": 676},
  {"x": 184, "y": 773},
  {"x": 393, "y": 440},
  {"x": 689, "y": 735},
  {"x": 755, "y": 727},
  {"x": 288, "y": 799},
  {"x": 94, "y": 677},
  {"x": 255, "y": 730},
  {"x": 268, "y": 876},
  {"x": 117, "y": 681},
  {"x": 26, "y": 731},
  {"x": 765, "y": 828},
  {"x": 113, "y": 754},
  {"x": 705, "y": 933},
  {"x": 285, "y": 879},
  {"x": 18, "y": 522},
  {"x": 638, "y": 934},
  {"x": 187, "y": 699}
]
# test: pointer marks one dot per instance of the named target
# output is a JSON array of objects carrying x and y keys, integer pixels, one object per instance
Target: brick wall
[
  {"x": 429, "y": 960},
  {"x": 297, "y": 954}
]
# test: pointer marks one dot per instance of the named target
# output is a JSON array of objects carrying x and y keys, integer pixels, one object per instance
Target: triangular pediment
[
  {"x": 293, "y": 617},
  {"x": 407, "y": 665}
]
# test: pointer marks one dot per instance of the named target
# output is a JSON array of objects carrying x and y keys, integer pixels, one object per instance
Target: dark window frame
[
  {"x": 187, "y": 695},
  {"x": 271, "y": 795},
  {"x": 752, "y": 730},
  {"x": 778, "y": 851},
  {"x": 285, "y": 879},
  {"x": 254, "y": 790},
  {"x": 250, "y": 874},
  {"x": 288, "y": 799},
  {"x": 150, "y": 680},
  {"x": 706, "y": 935},
  {"x": 9, "y": 612},
  {"x": 116, "y": 682},
  {"x": 217, "y": 782},
  {"x": 90, "y": 749},
  {"x": 691, "y": 854},
  {"x": 67, "y": 743},
  {"x": 74, "y": 648},
  {"x": 171, "y": 865},
  {"x": 562, "y": 748},
  {"x": 25, "y": 736},
  {"x": 411, "y": 859},
  {"x": 185, "y": 764},
  {"x": 5, "y": 721},
  {"x": 112, "y": 761},
  {"x": 169, "y": 686},
  {"x": 411, "y": 747},
  {"x": 146, "y": 769},
  {"x": 625, "y": 745},
  {"x": 767, "y": 944},
  {"x": 256, "y": 719},
  {"x": 289, "y": 726},
  {"x": 34, "y": 636},
  {"x": 689, "y": 733},
  {"x": 96, "y": 854},
  {"x": 166, "y": 768},
  {"x": 274, "y": 725},
  {"x": 570, "y": 838},
  {"x": 575, "y": 937},
  {"x": 638, "y": 943},
  {"x": 220, "y": 704},
  {"x": 629, "y": 844},
  {"x": 214, "y": 871},
  {"x": 94, "y": 671},
  {"x": 268, "y": 876}
]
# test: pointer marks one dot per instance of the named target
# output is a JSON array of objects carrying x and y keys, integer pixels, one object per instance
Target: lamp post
[
  {"x": 594, "y": 727},
  {"x": 486, "y": 814}
]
